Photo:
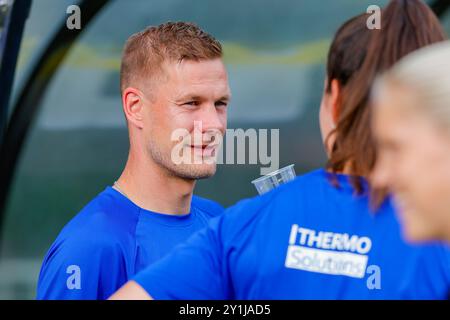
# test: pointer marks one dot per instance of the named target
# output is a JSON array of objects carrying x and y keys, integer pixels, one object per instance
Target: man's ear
[
  {"x": 335, "y": 99},
  {"x": 133, "y": 106}
]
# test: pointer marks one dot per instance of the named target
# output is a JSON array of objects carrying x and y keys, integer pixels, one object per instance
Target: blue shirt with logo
[
  {"x": 109, "y": 241},
  {"x": 307, "y": 239}
]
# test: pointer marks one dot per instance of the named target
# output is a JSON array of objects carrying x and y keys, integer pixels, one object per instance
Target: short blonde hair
[
  {"x": 146, "y": 51},
  {"x": 426, "y": 72}
]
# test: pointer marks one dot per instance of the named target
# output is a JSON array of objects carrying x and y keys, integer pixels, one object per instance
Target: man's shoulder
[
  {"x": 95, "y": 242},
  {"x": 207, "y": 206},
  {"x": 104, "y": 223},
  {"x": 104, "y": 215}
]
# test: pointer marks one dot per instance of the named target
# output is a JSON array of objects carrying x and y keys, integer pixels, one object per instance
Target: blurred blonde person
[{"x": 411, "y": 124}]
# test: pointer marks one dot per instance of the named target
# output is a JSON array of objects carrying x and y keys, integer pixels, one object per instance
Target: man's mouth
[
  {"x": 199, "y": 146},
  {"x": 207, "y": 150},
  {"x": 205, "y": 146}
]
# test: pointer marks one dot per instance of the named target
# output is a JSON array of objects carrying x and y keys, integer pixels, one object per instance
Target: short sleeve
[
  {"x": 81, "y": 269},
  {"x": 193, "y": 270}
]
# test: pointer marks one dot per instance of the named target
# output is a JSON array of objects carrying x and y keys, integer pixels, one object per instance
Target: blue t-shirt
[
  {"x": 109, "y": 241},
  {"x": 304, "y": 240}
]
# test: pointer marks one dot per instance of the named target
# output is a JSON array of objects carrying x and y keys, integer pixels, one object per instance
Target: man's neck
[{"x": 152, "y": 188}]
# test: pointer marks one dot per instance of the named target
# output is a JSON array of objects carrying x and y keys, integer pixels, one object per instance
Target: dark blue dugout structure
[{"x": 14, "y": 131}]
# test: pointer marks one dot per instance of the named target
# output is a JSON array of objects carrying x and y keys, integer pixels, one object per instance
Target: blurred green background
[{"x": 275, "y": 53}]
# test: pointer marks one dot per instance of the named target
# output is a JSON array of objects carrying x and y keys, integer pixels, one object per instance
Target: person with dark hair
[
  {"x": 406, "y": 26},
  {"x": 328, "y": 234},
  {"x": 151, "y": 207}
]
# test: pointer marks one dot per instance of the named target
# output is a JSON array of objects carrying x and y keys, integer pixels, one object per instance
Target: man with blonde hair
[{"x": 175, "y": 92}]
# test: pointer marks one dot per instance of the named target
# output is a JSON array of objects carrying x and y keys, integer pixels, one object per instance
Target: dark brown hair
[
  {"x": 145, "y": 51},
  {"x": 356, "y": 56}
]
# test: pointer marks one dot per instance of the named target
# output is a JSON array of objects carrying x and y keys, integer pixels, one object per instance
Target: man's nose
[{"x": 212, "y": 120}]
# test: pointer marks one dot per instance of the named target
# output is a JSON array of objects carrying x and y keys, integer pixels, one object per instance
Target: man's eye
[
  {"x": 221, "y": 104},
  {"x": 191, "y": 103}
]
